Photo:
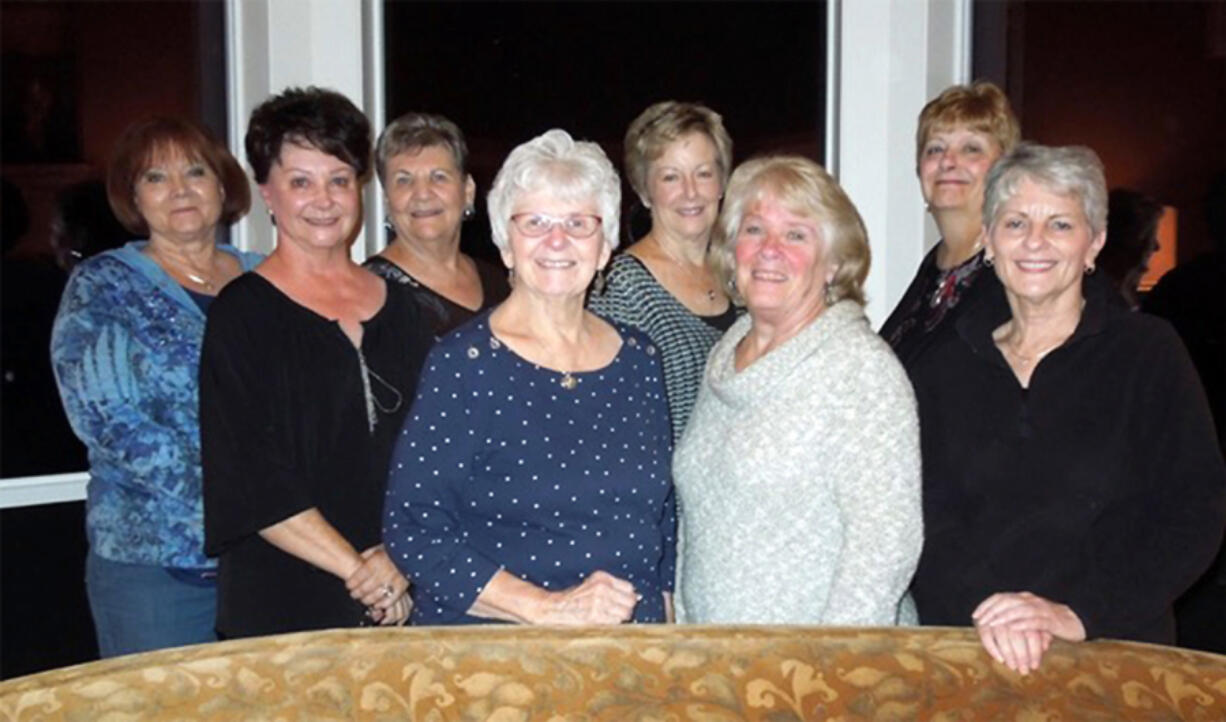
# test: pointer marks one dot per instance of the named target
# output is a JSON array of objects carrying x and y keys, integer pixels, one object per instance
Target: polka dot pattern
[{"x": 503, "y": 464}]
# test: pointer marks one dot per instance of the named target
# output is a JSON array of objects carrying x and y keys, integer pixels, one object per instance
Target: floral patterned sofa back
[{"x": 629, "y": 673}]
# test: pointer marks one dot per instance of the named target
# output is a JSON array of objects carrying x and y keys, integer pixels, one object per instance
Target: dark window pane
[{"x": 505, "y": 72}]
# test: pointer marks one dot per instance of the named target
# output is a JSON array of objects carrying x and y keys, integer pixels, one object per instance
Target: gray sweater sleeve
[{"x": 878, "y": 499}]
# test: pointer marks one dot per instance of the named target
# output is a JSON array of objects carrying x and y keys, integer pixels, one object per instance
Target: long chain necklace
[{"x": 702, "y": 277}]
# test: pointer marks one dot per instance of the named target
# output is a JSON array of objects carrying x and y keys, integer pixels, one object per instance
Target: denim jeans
[{"x": 139, "y": 607}]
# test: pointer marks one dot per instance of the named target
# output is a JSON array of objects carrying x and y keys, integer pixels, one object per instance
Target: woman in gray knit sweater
[{"x": 799, "y": 474}]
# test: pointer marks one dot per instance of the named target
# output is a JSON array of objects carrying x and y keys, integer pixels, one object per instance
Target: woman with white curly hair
[{"x": 531, "y": 483}]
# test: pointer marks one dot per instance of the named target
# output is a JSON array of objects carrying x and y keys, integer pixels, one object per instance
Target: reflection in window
[{"x": 74, "y": 75}]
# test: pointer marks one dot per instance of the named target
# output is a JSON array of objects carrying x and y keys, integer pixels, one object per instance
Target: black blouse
[
  {"x": 933, "y": 303},
  {"x": 442, "y": 313},
  {"x": 1099, "y": 486},
  {"x": 293, "y": 416}
]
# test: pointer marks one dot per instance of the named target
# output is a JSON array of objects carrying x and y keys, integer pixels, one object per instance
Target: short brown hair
[
  {"x": 804, "y": 188},
  {"x": 981, "y": 106},
  {"x": 663, "y": 123},
  {"x": 319, "y": 118},
  {"x": 417, "y": 131},
  {"x": 143, "y": 142}
]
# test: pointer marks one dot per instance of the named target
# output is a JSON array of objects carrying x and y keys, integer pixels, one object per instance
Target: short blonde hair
[
  {"x": 804, "y": 188},
  {"x": 661, "y": 124},
  {"x": 981, "y": 106}
]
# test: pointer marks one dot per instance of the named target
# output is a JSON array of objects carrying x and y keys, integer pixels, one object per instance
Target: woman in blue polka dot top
[{"x": 531, "y": 483}]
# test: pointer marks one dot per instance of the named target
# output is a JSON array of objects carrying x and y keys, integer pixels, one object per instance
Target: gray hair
[
  {"x": 1072, "y": 170},
  {"x": 417, "y": 131},
  {"x": 556, "y": 163}
]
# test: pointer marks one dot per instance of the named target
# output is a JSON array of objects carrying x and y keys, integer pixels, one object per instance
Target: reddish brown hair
[
  {"x": 981, "y": 107},
  {"x": 143, "y": 142}
]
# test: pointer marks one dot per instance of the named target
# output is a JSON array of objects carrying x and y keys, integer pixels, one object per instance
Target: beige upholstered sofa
[{"x": 630, "y": 673}]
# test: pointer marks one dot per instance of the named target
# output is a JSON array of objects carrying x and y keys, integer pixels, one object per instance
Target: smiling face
[
  {"x": 427, "y": 195},
  {"x": 314, "y": 196},
  {"x": 953, "y": 166},
  {"x": 1041, "y": 243},
  {"x": 684, "y": 187},
  {"x": 554, "y": 265},
  {"x": 782, "y": 267},
  {"x": 180, "y": 198}
]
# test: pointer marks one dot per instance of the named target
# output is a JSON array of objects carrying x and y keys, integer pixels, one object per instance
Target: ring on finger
[{"x": 388, "y": 590}]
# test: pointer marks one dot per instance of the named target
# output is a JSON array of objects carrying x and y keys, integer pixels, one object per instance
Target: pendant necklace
[{"x": 199, "y": 280}]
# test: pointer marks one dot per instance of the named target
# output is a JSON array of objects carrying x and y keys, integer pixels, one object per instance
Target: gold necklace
[
  {"x": 199, "y": 280},
  {"x": 687, "y": 268},
  {"x": 189, "y": 273}
]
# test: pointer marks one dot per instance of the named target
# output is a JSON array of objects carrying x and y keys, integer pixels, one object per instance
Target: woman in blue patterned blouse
[
  {"x": 126, "y": 351},
  {"x": 531, "y": 482}
]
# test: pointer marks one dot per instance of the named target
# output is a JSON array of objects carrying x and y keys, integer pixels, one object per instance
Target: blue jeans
[{"x": 139, "y": 607}]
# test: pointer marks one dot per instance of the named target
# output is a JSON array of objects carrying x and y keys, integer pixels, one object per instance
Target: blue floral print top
[{"x": 126, "y": 352}]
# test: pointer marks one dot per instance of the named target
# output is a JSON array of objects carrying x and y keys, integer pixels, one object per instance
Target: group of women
[{"x": 709, "y": 431}]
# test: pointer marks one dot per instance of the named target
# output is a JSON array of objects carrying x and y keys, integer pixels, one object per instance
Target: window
[{"x": 505, "y": 72}]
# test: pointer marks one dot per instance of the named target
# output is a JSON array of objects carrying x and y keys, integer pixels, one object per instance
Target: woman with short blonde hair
[
  {"x": 678, "y": 156},
  {"x": 960, "y": 134},
  {"x": 800, "y": 401}
]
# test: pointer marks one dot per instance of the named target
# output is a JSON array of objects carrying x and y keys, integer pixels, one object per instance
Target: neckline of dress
[{"x": 496, "y": 344}]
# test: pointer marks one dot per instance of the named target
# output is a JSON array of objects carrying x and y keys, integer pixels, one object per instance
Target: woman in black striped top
[{"x": 678, "y": 156}]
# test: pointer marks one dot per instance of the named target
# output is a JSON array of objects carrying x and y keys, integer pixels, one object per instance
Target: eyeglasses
[{"x": 576, "y": 225}]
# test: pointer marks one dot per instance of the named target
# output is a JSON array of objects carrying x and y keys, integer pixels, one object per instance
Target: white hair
[{"x": 556, "y": 163}]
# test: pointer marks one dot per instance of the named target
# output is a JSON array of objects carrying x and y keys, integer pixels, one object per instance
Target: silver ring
[{"x": 388, "y": 590}]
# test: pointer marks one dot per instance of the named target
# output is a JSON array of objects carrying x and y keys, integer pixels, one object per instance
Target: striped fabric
[{"x": 634, "y": 297}]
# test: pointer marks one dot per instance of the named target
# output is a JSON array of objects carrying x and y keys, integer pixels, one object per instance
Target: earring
[
  {"x": 469, "y": 212},
  {"x": 511, "y": 277},
  {"x": 272, "y": 218},
  {"x": 387, "y": 226},
  {"x": 988, "y": 260},
  {"x": 1090, "y": 269},
  {"x": 598, "y": 286},
  {"x": 828, "y": 293}
]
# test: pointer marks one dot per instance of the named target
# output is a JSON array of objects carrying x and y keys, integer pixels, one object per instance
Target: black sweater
[
  {"x": 1100, "y": 487},
  {"x": 286, "y": 426}
]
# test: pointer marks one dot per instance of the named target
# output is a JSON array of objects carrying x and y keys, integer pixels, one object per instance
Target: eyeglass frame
[{"x": 557, "y": 221}]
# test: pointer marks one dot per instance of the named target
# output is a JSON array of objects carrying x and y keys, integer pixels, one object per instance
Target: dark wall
[{"x": 1142, "y": 83}]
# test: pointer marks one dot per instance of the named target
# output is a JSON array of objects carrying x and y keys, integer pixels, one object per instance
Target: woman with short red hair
[{"x": 126, "y": 351}]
